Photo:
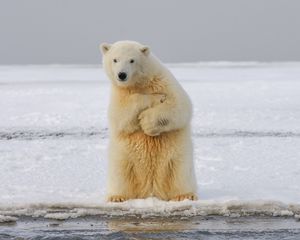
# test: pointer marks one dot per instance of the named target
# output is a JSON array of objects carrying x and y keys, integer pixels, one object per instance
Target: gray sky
[{"x": 69, "y": 31}]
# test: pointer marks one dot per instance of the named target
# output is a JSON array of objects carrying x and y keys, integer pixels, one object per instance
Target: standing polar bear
[{"x": 150, "y": 149}]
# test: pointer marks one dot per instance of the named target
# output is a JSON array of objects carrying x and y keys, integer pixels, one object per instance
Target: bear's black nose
[{"x": 122, "y": 76}]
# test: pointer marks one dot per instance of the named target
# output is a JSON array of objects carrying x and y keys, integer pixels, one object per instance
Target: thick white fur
[{"x": 150, "y": 149}]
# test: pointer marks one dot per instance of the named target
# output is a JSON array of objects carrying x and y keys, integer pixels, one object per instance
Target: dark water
[{"x": 211, "y": 228}]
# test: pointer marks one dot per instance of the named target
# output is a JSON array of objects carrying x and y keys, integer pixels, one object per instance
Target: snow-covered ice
[{"x": 246, "y": 133}]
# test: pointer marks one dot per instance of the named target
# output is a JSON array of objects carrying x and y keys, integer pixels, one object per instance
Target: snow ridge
[{"x": 151, "y": 207}]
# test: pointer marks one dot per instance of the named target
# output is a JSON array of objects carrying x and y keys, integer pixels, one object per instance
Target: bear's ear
[
  {"x": 145, "y": 50},
  {"x": 104, "y": 47}
]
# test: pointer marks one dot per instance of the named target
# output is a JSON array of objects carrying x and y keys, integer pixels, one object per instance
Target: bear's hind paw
[
  {"x": 116, "y": 198},
  {"x": 181, "y": 197}
]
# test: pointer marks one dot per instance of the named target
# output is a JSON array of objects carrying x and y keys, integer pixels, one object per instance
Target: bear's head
[{"x": 125, "y": 62}]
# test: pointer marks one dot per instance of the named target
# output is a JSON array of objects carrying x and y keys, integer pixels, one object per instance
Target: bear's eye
[
  {"x": 115, "y": 60},
  {"x": 131, "y": 61}
]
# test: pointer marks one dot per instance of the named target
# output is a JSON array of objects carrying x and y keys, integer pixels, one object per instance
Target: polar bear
[{"x": 150, "y": 149}]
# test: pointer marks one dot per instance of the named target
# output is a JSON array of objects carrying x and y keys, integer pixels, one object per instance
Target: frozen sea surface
[{"x": 246, "y": 133}]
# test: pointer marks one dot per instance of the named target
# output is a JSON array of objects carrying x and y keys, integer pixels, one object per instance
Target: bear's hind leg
[
  {"x": 120, "y": 177},
  {"x": 183, "y": 182}
]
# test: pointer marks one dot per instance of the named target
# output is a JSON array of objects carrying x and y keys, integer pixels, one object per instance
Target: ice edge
[{"x": 151, "y": 207}]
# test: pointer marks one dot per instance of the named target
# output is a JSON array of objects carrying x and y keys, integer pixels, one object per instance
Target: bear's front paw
[
  {"x": 116, "y": 198},
  {"x": 181, "y": 197},
  {"x": 149, "y": 124},
  {"x": 157, "y": 98}
]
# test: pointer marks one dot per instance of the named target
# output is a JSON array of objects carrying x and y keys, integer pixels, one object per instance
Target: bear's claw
[
  {"x": 158, "y": 98},
  {"x": 116, "y": 198},
  {"x": 181, "y": 197}
]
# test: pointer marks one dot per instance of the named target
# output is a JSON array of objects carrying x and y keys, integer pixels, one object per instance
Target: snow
[{"x": 246, "y": 133}]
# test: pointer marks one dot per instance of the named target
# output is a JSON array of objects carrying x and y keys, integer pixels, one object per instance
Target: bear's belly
[
  {"x": 147, "y": 146},
  {"x": 151, "y": 163}
]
